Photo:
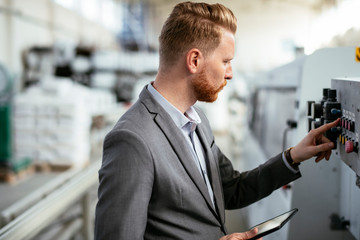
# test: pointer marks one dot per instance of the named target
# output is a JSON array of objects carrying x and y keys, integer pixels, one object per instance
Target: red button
[{"x": 349, "y": 146}]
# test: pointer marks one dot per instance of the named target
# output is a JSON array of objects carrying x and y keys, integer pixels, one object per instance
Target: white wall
[
  {"x": 267, "y": 30},
  {"x": 267, "y": 34},
  {"x": 42, "y": 22}
]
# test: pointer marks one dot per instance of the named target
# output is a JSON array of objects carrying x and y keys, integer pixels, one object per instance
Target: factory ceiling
[{"x": 313, "y": 4}]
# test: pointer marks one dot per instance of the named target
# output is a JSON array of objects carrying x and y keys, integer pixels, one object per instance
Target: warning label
[{"x": 357, "y": 54}]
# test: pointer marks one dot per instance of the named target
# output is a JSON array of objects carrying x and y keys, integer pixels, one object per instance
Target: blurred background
[{"x": 70, "y": 68}]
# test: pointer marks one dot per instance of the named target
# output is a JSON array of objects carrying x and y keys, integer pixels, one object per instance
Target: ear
[{"x": 194, "y": 59}]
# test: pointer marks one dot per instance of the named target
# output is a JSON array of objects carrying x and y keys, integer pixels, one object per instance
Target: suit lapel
[
  {"x": 178, "y": 143},
  {"x": 180, "y": 146},
  {"x": 215, "y": 179}
]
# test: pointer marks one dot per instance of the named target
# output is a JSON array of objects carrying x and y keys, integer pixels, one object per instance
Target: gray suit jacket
[{"x": 150, "y": 187}]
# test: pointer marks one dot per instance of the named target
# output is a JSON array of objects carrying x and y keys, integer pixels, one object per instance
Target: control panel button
[
  {"x": 316, "y": 110},
  {"x": 349, "y": 146},
  {"x": 352, "y": 126},
  {"x": 335, "y": 111}
]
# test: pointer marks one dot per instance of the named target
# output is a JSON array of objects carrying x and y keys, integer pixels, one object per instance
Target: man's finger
[
  {"x": 328, "y": 154},
  {"x": 320, "y": 156},
  {"x": 326, "y": 127},
  {"x": 324, "y": 147},
  {"x": 322, "y": 151},
  {"x": 324, "y": 139},
  {"x": 252, "y": 233}
]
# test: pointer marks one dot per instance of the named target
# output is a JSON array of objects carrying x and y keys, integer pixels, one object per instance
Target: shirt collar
[{"x": 178, "y": 117}]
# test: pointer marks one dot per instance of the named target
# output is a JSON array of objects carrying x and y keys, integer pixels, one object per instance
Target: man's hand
[
  {"x": 314, "y": 144},
  {"x": 241, "y": 236}
]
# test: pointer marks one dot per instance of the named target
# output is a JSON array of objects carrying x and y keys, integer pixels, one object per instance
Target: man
[{"x": 163, "y": 176}]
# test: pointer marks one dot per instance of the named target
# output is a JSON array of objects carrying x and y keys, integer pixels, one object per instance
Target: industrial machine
[
  {"x": 327, "y": 195},
  {"x": 340, "y": 101}
]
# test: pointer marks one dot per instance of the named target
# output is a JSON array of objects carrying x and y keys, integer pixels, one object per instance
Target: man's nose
[{"x": 229, "y": 73}]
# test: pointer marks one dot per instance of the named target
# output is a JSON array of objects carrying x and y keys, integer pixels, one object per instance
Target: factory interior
[{"x": 69, "y": 69}]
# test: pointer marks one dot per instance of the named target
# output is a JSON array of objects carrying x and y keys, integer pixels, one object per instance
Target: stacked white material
[
  {"x": 52, "y": 122},
  {"x": 128, "y": 62}
]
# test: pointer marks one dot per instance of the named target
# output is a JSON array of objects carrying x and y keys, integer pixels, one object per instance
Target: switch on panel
[{"x": 349, "y": 146}]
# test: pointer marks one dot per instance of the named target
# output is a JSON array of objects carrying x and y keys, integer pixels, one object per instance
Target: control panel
[{"x": 342, "y": 100}]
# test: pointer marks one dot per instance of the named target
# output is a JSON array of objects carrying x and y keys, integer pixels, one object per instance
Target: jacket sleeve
[
  {"x": 243, "y": 189},
  {"x": 126, "y": 178}
]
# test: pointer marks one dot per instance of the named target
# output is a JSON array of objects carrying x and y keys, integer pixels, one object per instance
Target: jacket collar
[{"x": 178, "y": 143}]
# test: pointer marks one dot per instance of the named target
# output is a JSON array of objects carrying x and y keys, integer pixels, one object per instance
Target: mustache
[{"x": 222, "y": 86}]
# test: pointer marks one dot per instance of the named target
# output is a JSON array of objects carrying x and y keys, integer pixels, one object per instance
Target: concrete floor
[{"x": 12, "y": 192}]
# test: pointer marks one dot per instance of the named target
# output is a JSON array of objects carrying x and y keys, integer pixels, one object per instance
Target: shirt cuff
[{"x": 288, "y": 165}]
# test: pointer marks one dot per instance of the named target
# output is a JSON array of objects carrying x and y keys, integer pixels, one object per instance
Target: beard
[{"x": 204, "y": 90}]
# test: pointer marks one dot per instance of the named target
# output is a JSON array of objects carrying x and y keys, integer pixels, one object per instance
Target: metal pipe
[
  {"x": 23, "y": 204},
  {"x": 70, "y": 230},
  {"x": 87, "y": 220},
  {"x": 32, "y": 221}
]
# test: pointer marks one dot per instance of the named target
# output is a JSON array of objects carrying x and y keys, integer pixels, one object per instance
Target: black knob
[
  {"x": 316, "y": 110},
  {"x": 325, "y": 92},
  {"x": 332, "y": 95},
  {"x": 309, "y": 103},
  {"x": 316, "y": 124}
]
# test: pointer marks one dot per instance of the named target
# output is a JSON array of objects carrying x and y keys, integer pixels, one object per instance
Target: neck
[{"x": 175, "y": 87}]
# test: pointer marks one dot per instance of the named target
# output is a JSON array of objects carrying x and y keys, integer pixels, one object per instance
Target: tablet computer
[{"x": 273, "y": 224}]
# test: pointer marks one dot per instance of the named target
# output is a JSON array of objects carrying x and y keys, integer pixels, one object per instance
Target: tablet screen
[{"x": 273, "y": 224}]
